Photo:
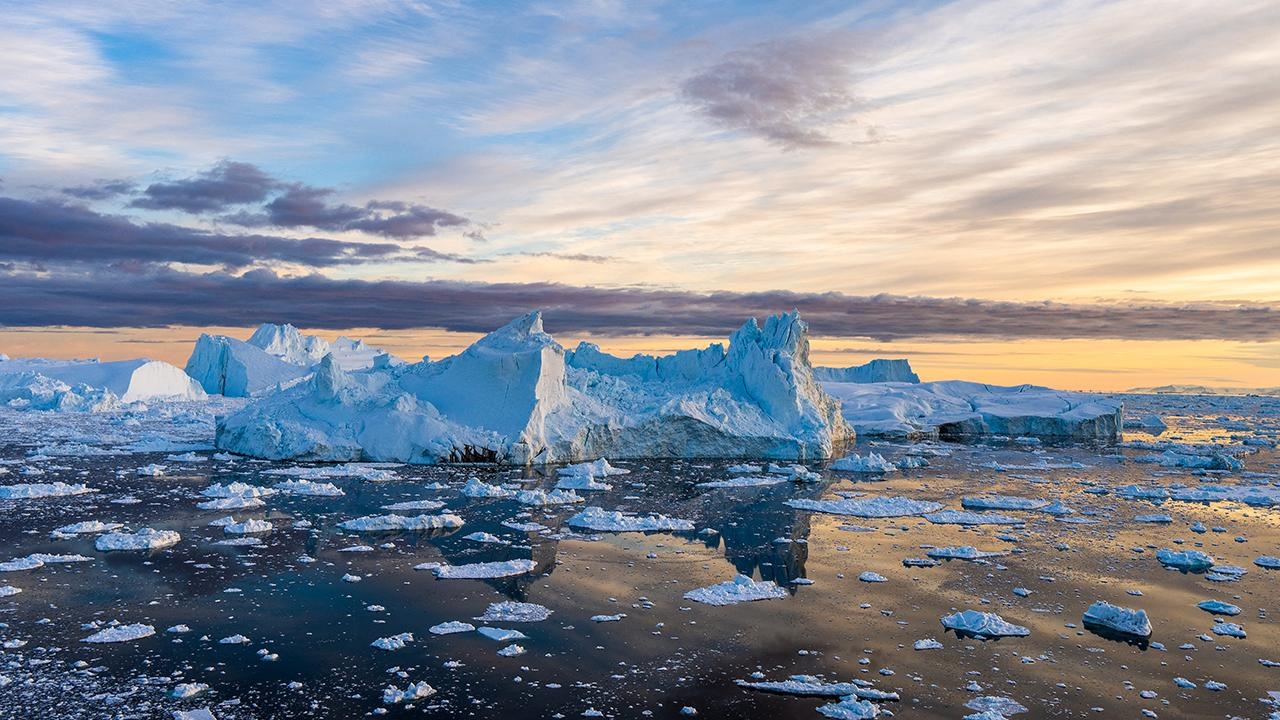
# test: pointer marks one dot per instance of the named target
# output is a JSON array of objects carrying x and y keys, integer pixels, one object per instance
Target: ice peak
[
  {"x": 523, "y": 332},
  {"x": 289, "y": 344}
]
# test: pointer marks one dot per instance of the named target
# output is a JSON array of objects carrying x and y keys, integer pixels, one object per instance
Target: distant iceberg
[
  {"x": 876, "y": 371},
  {"x": 89, "y": 385},
  {"x": 517, "y": 397}
]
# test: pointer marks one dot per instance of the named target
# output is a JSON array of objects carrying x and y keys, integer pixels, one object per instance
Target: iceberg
[
  {"x": 1218, "y": 607},
  {"x": 89, "y": 385},
  {"x": 121, "y": 633},
  {"x": 387, "y": 523},
  {"x": 517, "y": 397},
  {"x": 1118, "y": 619},
  {"x": 1185, "y": 560},
  {"x": 601, "y": 520},
  {"x": 960, "y": 410},
  {"x": 872, "y": 463},
  {"x": 144, "y": 539},
  {"x": 879, "y": 370}
]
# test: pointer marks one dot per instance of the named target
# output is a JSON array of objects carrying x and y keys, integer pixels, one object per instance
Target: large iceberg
[
  {"x": 960, "y": 410},
  {"x": 517, "y": 397},
  {"x": 48, "y": 384},
  {"x": 877, "y": 371},
  {"x": 274, "y": 357}
]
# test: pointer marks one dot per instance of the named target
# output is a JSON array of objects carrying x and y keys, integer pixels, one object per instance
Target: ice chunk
[
  {"x": 30, "y": 491},
  {"x": 121, "y": 633},
  {"x": 962, "y": 552},
  {"x": 501, "y": 634},
  {"x": 1186, "y": 560},
  {"x": 875, "y": 507},
  {"x": 394, "y": 642},
  {"x": 247, "y": 527},
  {"x": 982, "y": 625},
  {"x": 451, "y": 627},
  {"x": 1218, "y": 607},
  {"x": 307, "y": 487},
  {"x": 740, "y": 589},
  {"x": 144, "y": 539},
  {"x": 1119, "y": 619},
  {"x": 512, "y": 611},
  {"x": 872, "y": 463},
  {"x": 957, "y": 517},
  {"x": 413, "y": 691},
  {"x": 386, "y": 523},
  {"x": 599, "y": 519},
  {"x": 484, "y": 570},
  {"x": 1002, "y": 502}
]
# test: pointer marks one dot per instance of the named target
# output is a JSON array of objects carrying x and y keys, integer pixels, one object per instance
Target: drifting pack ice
[
  {"x": 274, "y": 357},
  {"x": 89, "y": 385},
  {"x": 517, "y": 397}
]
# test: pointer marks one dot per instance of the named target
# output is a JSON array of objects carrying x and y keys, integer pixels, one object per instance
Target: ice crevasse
[{"x": 517, "y": 397}]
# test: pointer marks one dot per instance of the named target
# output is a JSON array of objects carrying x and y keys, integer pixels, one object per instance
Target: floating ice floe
[
  {"x": 426, "y": 505},
  {"x": 1208, "y": 461},
  {"x": 1002, "y": 502},
  {"x": 512, "y": 650},
  {"x": 872, "y": 463},
  {"x": 994, "y": 707},
  {"x": 1218, "y": 607},
  {"x": 927, "y": 644},
  {"x": 393, "y": 642},
  {"x": 39, "y": 560},
  {"x": 738, "y": 590},
  {"x": 484, "y": 537},
  {"x": 248, "y": 527},
  {"x": 512, "y": 611},
  {"x": 477, "y": 488},
  {"x": 983, "y": 625},
  {"x": 601, "y": 520},
  {"x": 1268, "y": 562},
  {"x": 850, "y": 708},
  {"x": 874, "y": 507},
  {"x": 386, "y": 523},
  {"x": 872, "y": 577},
  {"x": 1229, "y": 630},
  {"x": 413, "y": 691},
  {"x": 32, "y": 491},
  {"x": 309, "y": 487},
  {"x": 542, "y": 498},
  {"x": 501, "y": 634},
  {"x": 607, "y": 618},
  {"x": 144, "y": 539},
  {"x": 451, "y": 627},
  {"x": 9, "y": 591},
  {"x": 1118, "y": 619},
  {"x": 962, "y": 552},
  {"x": 482, "y": 570},
  {"x": 1187, "y": 560},
  {"x": 121, "y": 633},
  {"x": 958, "y": 517},
  {"x": 237, "y": 490},
  {"x": 812, "y": 686},
  {"x": 237, "y": 502},
  {"x": 182, "y": 691},
  {"x": 84, "y": 527},
  {"x": 743, "y": 481}
]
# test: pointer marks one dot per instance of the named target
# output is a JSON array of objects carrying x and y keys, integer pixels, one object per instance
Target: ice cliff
[
  {"x": 959, "y": 410},
  {"x": 516, "y": 396},
  {"x": 45, "y": 384},
  {"x": 275, "y": 356},
  {"x": 876, "y": 371}
]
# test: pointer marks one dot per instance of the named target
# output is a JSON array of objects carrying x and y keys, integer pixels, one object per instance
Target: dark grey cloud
[
  {"x": 162, "y": 297},
  {"x": 101, "y": 190},
  {"x": 225, "y": 185},
  {"x": 785, "y": 91},
  {"x": 51, "y": 233},
  {"x": 307, "y": 206}
]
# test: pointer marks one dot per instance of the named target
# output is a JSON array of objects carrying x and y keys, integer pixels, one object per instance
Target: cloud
[
  {"x": 224, "y": 185},
  {"x": 54, "y": 233},
  {"x": 101, "y": 190},
  {"x": 785, "y": 90},
  {"x": 160, "y": 297},
  {"x": 306, "y": 206}
]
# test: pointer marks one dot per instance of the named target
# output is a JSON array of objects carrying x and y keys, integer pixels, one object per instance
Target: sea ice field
[{"x": 147, "y": 575}]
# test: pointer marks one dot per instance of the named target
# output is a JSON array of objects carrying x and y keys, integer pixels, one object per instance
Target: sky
[{"x": 1075, "y": 193}]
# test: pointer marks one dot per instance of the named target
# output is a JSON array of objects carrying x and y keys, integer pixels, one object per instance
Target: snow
[
  {"x": 30, "y": 491},
  {"x": 982, "y": 624},
  {"x": 877, "y": 371},
  {"x": 872, "y": 463},
  {"x": 512, "y": 611},
  {"x": 874, "y": 507},
  {"x": 516, "y": 397},
  {"x": 45, "y": 384},
  {"x": 958, "y": 410},
  {"x": 483, "y": 570},
  {"x": 144, "y": 539},
  {"x": 121, "y": 633},
  {"x": 601, "y": 520},
  {"x": 384, "y": 523},
  {"x": 1120, "y": 619},
  {"x": 738, "y": 590}
]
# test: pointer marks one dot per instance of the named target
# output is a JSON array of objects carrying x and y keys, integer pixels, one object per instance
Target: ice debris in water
[
  {"x": 872, "y": 463},
  {"x": 1002, "y": 502},
  {"x": 1187, "y": 560},
  {"x": 481, "y": 570},
  {"x": 501, "y": 634},
  {"x": 872, "y": 577},
  {"x": 958, "y": 517},
  {"x": 144, "y": 539},
  {"x": 962, "y": 552},
  {"x": 601, "y": 520},
  {"x": 308, "y": 487},
  {"x": 385, "y": 523},
  {"x": 394, "y": 642},
  {"x": 512, "y": 611},
  {"x": 87, "y": 526},
  {"x": 1218, "y": 607},
  {"x": 1228, "y": 629},
  {"x": 1119, "y": 619},
  {"x": 740, "y": 589},
  {"x": 39, "y": 560},
  {"x": 121, "y": 633},
  {"x": 31, "y": 491},
  {"x": 743, "y": 481},
  {"x": 414, "y": 691},
  {"x": 983, "y": 625},
  {"x": 875, "y": 507},
  {"x": 451, "y": 627},
  {"x": 247, "y": 527}
]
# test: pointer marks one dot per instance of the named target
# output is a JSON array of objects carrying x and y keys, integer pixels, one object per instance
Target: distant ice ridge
[
  {"x": 960, "y": 410},
  {"x": 275, "y": 356},
  {"x": 517, "y": 397},
  {"x": 877, "y": 371},
  {"x": 89, "y": 385}
]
